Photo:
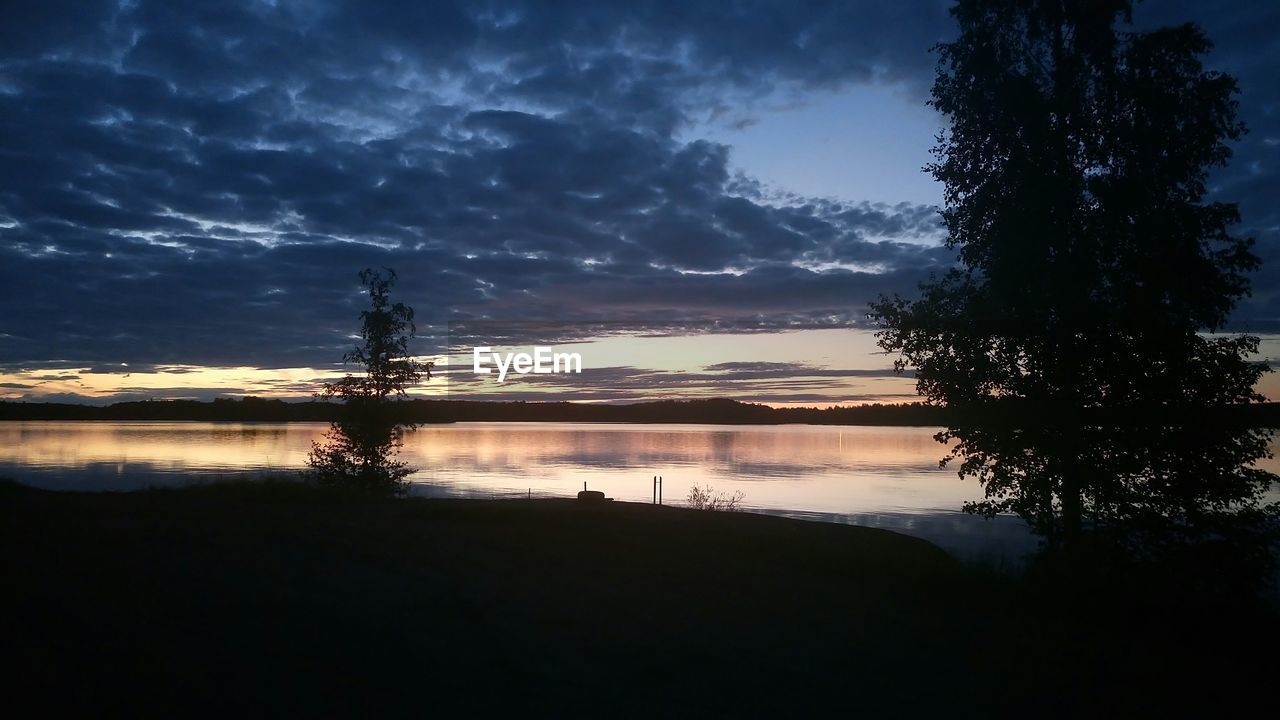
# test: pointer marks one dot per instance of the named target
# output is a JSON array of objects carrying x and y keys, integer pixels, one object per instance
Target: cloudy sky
[{"x": 700, "y": 198}]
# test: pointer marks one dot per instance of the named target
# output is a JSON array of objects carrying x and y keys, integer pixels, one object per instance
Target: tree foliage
[
  {"x": 359, "y": 451},
  {"x": 1081, "y": 320}
]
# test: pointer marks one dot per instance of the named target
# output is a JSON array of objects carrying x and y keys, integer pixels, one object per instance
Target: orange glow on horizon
[{"x": 803, "y": 368}]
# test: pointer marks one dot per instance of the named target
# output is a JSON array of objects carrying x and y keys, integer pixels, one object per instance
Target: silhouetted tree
[
  {"x": 1075, "y": 341},
  {"x": 360, "y": 449}
]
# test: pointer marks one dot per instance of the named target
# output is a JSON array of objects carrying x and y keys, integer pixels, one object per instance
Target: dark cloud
[
  {"x": 197, "y": 183},
  {"x": 754, "y": 366},
  {"x": 121, "y": 369},
  {"x": 770, "y": 382},
  {"x": 133, "y": 395}
]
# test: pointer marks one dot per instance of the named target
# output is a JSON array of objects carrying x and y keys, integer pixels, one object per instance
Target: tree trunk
[{"x": 1072, "y": 511}]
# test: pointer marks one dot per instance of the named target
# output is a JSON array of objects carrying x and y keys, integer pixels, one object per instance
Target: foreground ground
[{"x": 279, "y": 599}]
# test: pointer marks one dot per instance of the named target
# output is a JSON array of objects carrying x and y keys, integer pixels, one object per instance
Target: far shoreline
[
  {"x": 448, "y": 411},
  {"x": 716, "y": 411},
  {"x": 445, "y": 423}
]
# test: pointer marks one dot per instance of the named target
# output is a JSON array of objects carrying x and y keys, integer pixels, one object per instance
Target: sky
[{"x": 699, "y": 198}]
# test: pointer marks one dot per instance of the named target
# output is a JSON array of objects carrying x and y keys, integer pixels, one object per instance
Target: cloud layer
[{"x": 197, "y": 183}]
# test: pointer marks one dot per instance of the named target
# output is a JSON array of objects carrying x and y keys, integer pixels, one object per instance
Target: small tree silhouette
[
  {"x": 359, "y": 450},
  {"x": 706, "y": 498}
]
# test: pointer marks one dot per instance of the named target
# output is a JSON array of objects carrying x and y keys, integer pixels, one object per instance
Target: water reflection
[
  {"x": 795, "y": 467},
  {"x": 883, "y": 477},
  {"x": 132, "y": 455}
]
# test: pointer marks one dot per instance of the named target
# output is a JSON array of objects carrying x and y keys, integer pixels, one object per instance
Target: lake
[{"x": 877, "y": 476}]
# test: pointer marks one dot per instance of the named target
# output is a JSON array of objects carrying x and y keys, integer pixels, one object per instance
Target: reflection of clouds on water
[
  {"x": 881, "y": 477},
  {"x": 767, "y": 453},
  {"x": 125, "y": 476},
  {"x": 804, "y": 468},
  {"x": 788, "y": 467}
]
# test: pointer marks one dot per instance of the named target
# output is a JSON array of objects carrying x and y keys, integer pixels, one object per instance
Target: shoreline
[
  {"x": 712, "y": 411},
  {"x": 275, "y": 597},
  {"x": 434, "y": 423}
]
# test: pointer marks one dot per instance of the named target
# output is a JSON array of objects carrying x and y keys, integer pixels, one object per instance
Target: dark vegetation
[
  {"x": 705, "y": 497},
  {"x": 360, "y": 449},
  {"x": 1095, "y": 277},
  {"x": 717, "y": 411},
  {"x": 283, "y": 598}
]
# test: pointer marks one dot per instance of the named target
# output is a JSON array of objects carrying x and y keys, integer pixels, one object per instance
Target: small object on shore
[{"x": 586, "y": 495}]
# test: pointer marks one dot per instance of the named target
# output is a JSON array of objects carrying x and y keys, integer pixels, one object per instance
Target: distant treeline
[
  {"x": 717, "y": 411},
  {"x": 440, "y": 411}
]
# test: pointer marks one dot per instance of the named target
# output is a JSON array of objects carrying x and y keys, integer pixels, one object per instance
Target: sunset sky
[{"x": 699, "y": 199}]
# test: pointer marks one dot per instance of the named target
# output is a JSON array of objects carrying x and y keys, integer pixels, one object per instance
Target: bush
[{"x": 706, "y": 498}]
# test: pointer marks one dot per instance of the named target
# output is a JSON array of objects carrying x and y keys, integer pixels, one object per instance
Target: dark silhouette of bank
[
  {"x": 276, "y": 598},
  {"x": 1076, "y": 343},
  {"x": 361, "y": 447},
  {"x": 720, "y": 411}
]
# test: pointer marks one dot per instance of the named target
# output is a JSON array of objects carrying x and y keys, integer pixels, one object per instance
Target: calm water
[{"x": 883, "y": 477}]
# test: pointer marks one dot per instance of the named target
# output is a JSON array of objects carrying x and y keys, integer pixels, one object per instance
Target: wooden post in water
[
  {"x": 655, "y": 489},
  {"x": 659, "y": 489}
]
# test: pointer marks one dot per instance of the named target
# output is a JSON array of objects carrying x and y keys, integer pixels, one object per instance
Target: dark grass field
[{"x": 277, "y": 599}]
